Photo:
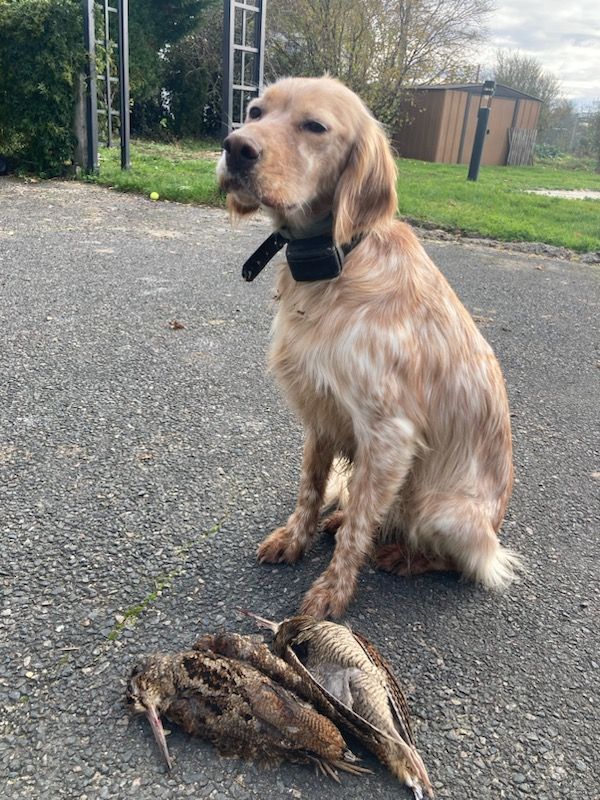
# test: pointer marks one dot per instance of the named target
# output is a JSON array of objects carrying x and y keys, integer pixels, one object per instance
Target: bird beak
[
  {"x": 159, "y": 734},
  {"x": 266, "y": 623}
]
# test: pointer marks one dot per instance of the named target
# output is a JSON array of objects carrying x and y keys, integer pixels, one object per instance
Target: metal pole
[
  {"x": 482, "y": 121},
  {"x": 107, "y": 83},
  {"x": 123, "y": 14},
  {"x": 91, "y": 103},
  {"x": 260, "y": 43},
  {"x": 227, "y": 92},
  {"x": 483, "y": 116}
]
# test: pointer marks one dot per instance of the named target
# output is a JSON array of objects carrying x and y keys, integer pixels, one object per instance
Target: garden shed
[{"x": 441, "y": 120}]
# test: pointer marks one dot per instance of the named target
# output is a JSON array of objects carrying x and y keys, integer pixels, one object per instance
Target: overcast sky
[{"x": 564, "y": 36}]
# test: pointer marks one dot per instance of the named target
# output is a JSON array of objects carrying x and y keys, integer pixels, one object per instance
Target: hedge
[{"x": 41, "y": 57}]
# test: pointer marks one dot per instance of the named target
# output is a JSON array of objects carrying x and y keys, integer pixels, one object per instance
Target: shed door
[{"x": 495, "y": 149}]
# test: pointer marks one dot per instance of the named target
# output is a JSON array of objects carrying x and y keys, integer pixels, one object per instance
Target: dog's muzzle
[{"x": 241, "y": 153}]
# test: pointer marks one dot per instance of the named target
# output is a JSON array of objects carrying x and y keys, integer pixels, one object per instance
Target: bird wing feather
[
  {"x": 359, "y": 725},
  {"x": 368, "y": 733},
  {"x": 399, "y": 708},
  {"x": 395, "y": 695}
]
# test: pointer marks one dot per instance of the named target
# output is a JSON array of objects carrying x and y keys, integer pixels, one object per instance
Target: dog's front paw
[
  {"x": 280, "y": 547},
  {"x": 326, "y": 598}
]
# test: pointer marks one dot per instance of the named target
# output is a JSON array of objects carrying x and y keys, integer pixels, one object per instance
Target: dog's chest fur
[{"x": 304, "y": 357}]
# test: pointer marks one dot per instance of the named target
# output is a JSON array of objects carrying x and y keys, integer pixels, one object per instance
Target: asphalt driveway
[{"x": 144, "y": 454}]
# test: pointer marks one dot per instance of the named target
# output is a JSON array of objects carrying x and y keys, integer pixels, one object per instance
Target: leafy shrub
[
  {"x": 192, "y": 76},
  {"x": 547, "y": 151},
  {"x": 156, "y": 27},
  {"x": 41, "y": 56},
  {"x": 551, "y": 156}
]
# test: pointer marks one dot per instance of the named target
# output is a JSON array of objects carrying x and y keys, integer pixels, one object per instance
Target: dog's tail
[{"x": 499, "y": 569}]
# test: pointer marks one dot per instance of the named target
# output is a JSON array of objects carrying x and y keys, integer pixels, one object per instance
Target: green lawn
[
  {"x": 184, "y": 172},
  {"x": 495, "y": 206}
]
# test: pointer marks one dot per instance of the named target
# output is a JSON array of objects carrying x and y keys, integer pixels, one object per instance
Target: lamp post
[
  {"x": 91, "y": 101},
  {"x": 483, "y": 115}
]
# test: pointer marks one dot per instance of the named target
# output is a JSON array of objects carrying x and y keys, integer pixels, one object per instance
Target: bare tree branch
[{"x": 377, "y": 47}]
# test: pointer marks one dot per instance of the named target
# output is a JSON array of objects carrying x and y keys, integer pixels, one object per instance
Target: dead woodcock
[
  {"x": 355, "y": 679},
  {"x": 240, "y": 709}
]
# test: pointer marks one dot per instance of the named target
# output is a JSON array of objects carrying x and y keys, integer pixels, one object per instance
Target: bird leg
[
  {"x": 347, "y": 765},
  {"x": 325, "y": 769},
  {"x": 263, "y": 622}
]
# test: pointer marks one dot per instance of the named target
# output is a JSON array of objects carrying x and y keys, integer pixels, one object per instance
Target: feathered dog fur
[{"x": 383, "y": 365}]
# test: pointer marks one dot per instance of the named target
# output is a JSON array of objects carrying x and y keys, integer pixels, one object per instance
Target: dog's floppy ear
[{"x": 366, "y": 191}]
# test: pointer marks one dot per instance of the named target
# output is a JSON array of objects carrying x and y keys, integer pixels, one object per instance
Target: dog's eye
[
  {"x": 255, "y": 112},
  {"x": 314, "y": 127}
]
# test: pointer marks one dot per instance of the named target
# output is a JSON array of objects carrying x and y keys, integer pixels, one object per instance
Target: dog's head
[{"x": 309, "y": 147}]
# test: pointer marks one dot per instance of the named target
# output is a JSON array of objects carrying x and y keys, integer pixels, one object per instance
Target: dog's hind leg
[
  {"x": 399, "y": 559},
  {"x": 290, "y": 542},
  {"x": 336, "y": 495},
  {"x": 332, "y": 522},
  {"x": 458, "y": 529}
]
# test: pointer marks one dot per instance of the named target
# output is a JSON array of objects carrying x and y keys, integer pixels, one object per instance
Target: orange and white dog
[{"x": 384, "y": 366}]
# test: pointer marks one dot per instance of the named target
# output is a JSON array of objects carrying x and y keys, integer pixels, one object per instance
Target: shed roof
[{"x": 475, "y": 88}]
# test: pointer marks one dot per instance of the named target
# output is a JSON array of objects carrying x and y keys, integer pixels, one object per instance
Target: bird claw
[{"x": 326, "y": 769}]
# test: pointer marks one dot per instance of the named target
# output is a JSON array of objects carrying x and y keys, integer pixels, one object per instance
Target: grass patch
[
  {"x": 131, "y": 615},
  {"x": 496, "y": 206},
  {"x": 184, "y": 172}
]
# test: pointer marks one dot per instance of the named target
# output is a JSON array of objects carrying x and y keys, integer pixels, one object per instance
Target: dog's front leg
[
  {"x": 381, "y": 463},
  {"x": 290, "y": 542}
]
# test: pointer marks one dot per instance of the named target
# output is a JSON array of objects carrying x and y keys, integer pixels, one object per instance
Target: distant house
[{"x": 441, "y": 123}]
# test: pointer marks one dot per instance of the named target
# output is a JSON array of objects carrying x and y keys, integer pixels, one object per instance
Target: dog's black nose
[{"x": 242, "y": 152}]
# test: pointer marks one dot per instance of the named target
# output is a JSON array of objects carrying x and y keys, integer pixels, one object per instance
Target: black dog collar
[
  {"x": 261, "y": 257},
  {"x": 317, "y": 258}
]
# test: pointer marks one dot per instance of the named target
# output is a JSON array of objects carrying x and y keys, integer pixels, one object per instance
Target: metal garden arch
[
  {"x": 243, "y": 58},
  {"x": 102, "y": 103}
]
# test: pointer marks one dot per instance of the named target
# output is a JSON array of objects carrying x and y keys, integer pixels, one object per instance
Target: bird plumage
[
  {"x": 240, "y": 709},
  {"x": 360, "y": 685}
]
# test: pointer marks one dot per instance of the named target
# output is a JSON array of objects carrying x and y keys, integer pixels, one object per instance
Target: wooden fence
[{"x": 521, "y": 142}]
